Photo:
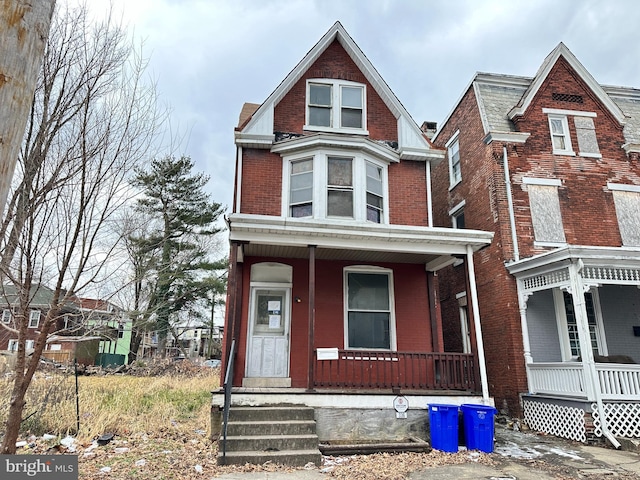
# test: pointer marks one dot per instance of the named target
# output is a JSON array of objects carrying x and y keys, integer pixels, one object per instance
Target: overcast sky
[{"x": 210, "y": 56}]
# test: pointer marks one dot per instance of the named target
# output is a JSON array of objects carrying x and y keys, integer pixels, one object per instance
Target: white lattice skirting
[
  {"x": 623, "y": 419},
  {"x": 558, "y": 420}
]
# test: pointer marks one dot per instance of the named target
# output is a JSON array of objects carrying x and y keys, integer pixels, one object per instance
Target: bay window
[{"x": 333, "y": 185}]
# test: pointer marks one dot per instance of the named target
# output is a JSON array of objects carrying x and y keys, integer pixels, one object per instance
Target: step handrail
[{"x": 228, "y": 383}]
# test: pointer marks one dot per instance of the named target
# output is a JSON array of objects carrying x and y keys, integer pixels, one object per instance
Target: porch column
[
  {"x": 476, "y": 321},
  {"x": 437, "y": 340},
  {"x": 592, "y": 383},
  {"x": 526, "y": 343},
  {"x": 584, "y": 336},
  {"x": 229, "y": 320},
  {"x": 312, "y": 313},
  {"x": 234, "y": 302}
]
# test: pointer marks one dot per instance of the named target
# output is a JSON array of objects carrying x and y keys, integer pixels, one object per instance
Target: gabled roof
[
  {"x": 500, "y": 98},
  {"x": 258, "y": 130},
  {"x": 40, "y": 296},
  {"x": 562, "y": 51}
]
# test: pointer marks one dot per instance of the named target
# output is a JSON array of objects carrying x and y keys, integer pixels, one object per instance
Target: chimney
[{"x": 429, "y": 129}]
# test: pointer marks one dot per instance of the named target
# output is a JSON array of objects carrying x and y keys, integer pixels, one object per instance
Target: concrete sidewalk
[{"x": 519, "y": 456}]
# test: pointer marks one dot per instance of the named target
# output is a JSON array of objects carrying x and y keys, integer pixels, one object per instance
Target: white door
[{"x": 268, "y": 352}]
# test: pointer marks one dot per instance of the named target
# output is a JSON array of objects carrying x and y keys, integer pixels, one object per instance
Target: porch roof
[
  {"x": 591, "y": 256},
  {"x": 435, "y": 247}
]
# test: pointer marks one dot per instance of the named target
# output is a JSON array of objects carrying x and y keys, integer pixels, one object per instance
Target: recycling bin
[
  {"x": 479, "y": 426},
  {"x": 443, "y": 427}
]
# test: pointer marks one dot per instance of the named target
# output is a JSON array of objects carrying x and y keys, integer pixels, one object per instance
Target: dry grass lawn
[{"x": 161, "y": 428}]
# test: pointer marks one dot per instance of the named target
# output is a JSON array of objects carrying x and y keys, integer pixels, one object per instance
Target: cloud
[{"x": 209, "y": 57}]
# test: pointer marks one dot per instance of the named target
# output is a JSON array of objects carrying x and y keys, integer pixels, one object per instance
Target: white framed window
[
  {"x": 55, "y": 347},
  {"x": 375, "y": 192},
  {"x": 13, "y": 345},
  {"x": 6, "y": 315},
  {"x": 301, "y": 188},
  {"x": 560, "y": 138},
  {"x": 34, "y": 318},
  {"x": 453, "y": 153},
  {"x": 337, "y": 186},
  {"x": 544, "y": 205},
  {"x": 29, "y": 344},
  {"x": 336, "y": 105},
  {"x": 627, "y": 201},
  {"x": 369, "y": 312},
  {"x": 457, "y": 215},
  {"x": 340, "y": 187},
  {"x": 568, "y": 326}
]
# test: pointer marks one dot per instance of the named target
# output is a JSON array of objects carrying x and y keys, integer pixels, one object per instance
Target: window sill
[
  {"x": 549, "y": 244},
  {"x": 590, "y": 155},
  {"x": 569, "y": 153},
  {"x": 352, "y": 131}
]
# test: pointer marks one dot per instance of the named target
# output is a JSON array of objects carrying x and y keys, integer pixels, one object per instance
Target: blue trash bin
[
  {"x": 443, "y": 427},
  {"x": 478, "y": 426}
]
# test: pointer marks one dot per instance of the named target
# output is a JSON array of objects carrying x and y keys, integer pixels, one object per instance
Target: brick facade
[
  {"x": 587, "y": 208},
  {"x": 412, "y": 326}
]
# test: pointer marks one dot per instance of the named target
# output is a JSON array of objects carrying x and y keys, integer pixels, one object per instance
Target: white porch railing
[
  {"x": 565, "y": 379},
  {"x": 617, "y": 381}
]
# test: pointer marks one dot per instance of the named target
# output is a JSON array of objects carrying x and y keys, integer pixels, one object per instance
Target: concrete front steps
[{"x": 280, "y": 434}]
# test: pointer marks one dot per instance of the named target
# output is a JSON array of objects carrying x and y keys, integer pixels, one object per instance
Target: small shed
[{"x": 64, "y": 349}]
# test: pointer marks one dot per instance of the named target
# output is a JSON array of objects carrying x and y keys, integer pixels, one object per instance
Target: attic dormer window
[{"x": 335, "y": 105}]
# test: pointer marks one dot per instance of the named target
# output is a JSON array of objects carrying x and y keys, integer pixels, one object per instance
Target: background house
[
  {"x": 551, "y": 165},
  {"x": 333, "y": 284},
  {"x": 111, "y": 324},
  {"x": 40, "y": 300}
]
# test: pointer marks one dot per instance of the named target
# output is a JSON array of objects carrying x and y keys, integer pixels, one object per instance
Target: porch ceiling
[
  {"x": 288, "y": 251},
  {"x": 434, "y": 247}
]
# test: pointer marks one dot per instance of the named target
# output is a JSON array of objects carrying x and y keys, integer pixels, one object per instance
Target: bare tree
[
  {"x": 25, "y": 27},
  {"x": 92, "y": 119}
]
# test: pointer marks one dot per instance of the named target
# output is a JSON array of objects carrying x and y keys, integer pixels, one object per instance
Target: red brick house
[
  {"x": 39, "y": 301},
  {"x": 332, "y": 298},
  {"x": 551, "y": 165}
]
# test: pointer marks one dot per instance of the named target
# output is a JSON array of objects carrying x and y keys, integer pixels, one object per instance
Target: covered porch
[
  {"x": 306, "y": 269},
  {"x": 580, "y": 315},
  {"x": 299, "y": 276}
]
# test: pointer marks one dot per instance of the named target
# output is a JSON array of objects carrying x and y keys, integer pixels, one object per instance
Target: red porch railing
[{"x": 360, "y": 369}]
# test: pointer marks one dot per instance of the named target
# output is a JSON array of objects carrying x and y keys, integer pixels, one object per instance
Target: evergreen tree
[{"x": 184, "y": 219}]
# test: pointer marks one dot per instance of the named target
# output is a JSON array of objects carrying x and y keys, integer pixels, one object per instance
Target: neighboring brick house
[
  {"x": 333, "y": 260},
  {"x": 106, "y": 320},
  {"x": 40, "y": 299},
  {"x": 551, "y": 165}
]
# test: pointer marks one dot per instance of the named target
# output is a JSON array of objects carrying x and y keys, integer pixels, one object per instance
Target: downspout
[
  {"x": 236, "y": 208},
  {"x": 429, "y": 203},
  {"x": 512, "y": 217},
  {"x": 591, "y": 375},
  {"x": 476, "y": 321}
]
